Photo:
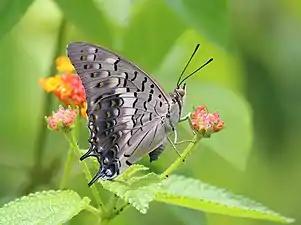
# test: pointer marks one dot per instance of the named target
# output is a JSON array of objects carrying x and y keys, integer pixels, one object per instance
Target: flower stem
[
  {"x": 181, "y": 159},
  {"x": 70, "y": 157},
  {"x": 71, "y": 139},
  {"x": 116, "y": 212},
  {"x": 68, "y": 164},
  {"x": 111, "y": 205}
]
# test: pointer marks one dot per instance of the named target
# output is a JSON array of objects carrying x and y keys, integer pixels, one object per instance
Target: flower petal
[
  {"x": 64, "y": 65},
  {"x": 50, "y": 84}
]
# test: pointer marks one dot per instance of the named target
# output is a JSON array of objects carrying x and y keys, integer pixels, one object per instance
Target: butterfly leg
[
  {"x": 173, "y": 146},
  {"x": 184, "y": 118},
  {"x": 175, "y": 142}
]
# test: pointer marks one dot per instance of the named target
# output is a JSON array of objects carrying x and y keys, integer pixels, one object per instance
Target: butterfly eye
[{"x": 181, "y": 92}]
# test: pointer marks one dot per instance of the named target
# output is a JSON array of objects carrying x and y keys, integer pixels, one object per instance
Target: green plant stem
[
  {"x": 93, "y": 210},
  {"x": 181, "y": 159},
  {"x": 67, "y": 169},
  {"x": 111, "y": 205},
  {"x": 71, "y": 139},
  {"x": 116, "y": 213},
  {"x": 70, "y": 156}
]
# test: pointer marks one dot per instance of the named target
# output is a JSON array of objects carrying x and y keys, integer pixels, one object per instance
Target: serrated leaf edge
[
  {"x": 270, "y": 216},
  {"x": 266, "y": 213},
  {"x": 84, "y": 201}
]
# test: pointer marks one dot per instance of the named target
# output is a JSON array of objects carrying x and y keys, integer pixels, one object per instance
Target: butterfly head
[
  {"x": 180, "y": 92},
  {"x": 179, "y": 95},
  {"x": 178, "y": 99}
]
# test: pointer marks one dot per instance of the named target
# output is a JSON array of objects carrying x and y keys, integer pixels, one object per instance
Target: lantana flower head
[
  {"x": 64, "y": 65},
  {"x": 67, "y": 86},
  {"x": 205, "y": 123},
  {"x": 62, "y": 119}
]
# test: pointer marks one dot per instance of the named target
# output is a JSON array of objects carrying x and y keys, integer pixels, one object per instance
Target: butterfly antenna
[
  {"x": 195, "y": 50},
  {"x": 205, "y": 64}
]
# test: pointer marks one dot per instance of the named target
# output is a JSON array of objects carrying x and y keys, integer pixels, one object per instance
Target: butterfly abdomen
[{"x": 154, "y": 155}]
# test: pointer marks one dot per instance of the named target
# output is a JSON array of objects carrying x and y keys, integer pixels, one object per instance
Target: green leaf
[
  {"x": 188, "y": 216},
  {"x": 194, "y": 194},
  {"x": 47, "y": 207},
  {"x": 11, "y": 12},
  {"x": 86, "y": 16},
  {"x": 210, "y": 18},
  {"x": 138, "y": 191},
  {"x": 149, "y": 36},
  {"x": 132, "y": 170}
]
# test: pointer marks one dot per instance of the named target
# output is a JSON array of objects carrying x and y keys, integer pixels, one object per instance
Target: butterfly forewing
[{"x": 126, "y": 108}]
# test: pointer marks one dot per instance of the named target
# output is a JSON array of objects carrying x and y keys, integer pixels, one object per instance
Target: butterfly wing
[{"x": 126, "y": 108}]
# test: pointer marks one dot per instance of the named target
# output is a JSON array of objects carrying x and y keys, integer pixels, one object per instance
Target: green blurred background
[{"x": 254, "y": 82}]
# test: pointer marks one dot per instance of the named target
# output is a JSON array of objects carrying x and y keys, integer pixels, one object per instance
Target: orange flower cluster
[
  {"x": 205, "y": 123},
  {"x": 66, "y": 86}
]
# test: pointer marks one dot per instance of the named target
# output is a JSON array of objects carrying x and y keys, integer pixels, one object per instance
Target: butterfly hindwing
[{"x": 125, "y": 107}]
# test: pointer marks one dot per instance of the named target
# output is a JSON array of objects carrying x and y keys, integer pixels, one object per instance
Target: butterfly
[{"x": 129, "y": 113}]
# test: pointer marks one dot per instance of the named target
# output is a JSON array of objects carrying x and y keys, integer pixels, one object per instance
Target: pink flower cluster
[
  {"x": 62, "y": 119},
  {"x": 205, "y": 123}
]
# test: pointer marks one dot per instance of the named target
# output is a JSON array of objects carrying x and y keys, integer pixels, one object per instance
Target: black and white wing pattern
[{"x": 127, "y": 110}]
